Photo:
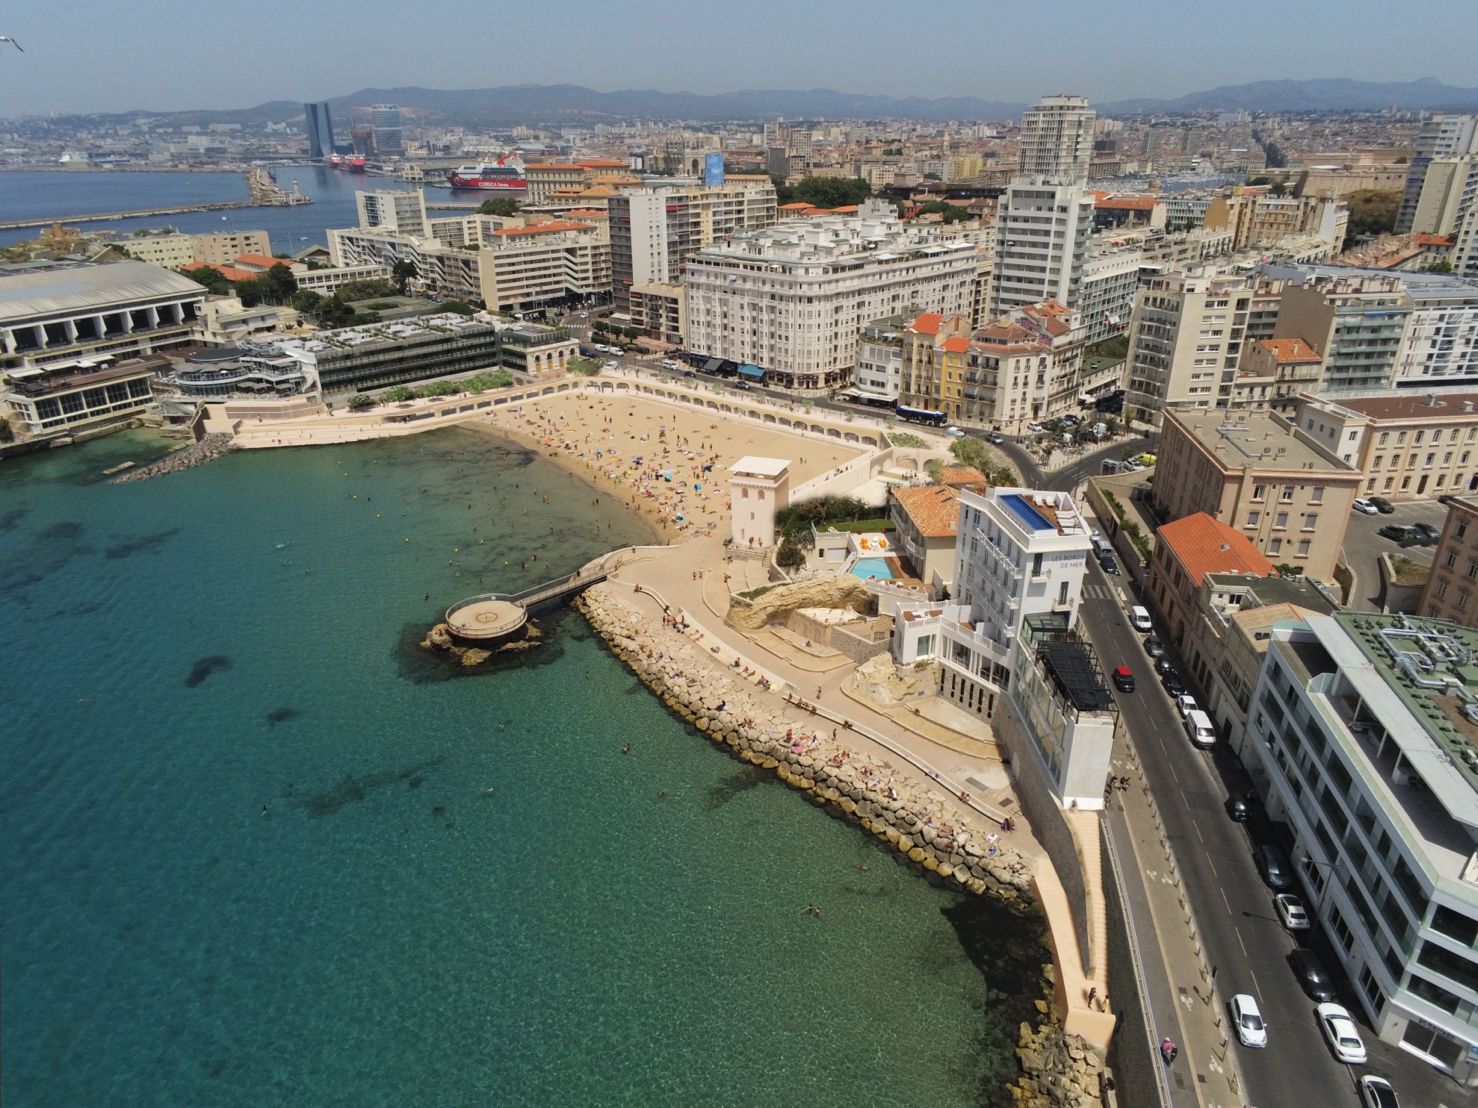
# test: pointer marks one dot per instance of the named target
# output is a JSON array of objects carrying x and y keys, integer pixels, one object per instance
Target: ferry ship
[
  {"x": 354, "y": 163},
  {"x": 503, "y": 175}
]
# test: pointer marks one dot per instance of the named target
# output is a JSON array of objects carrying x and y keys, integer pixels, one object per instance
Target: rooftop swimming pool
[{"x": 872, "y": 567}]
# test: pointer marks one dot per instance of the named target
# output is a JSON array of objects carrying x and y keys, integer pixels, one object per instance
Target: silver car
[{"x": 1251, "y": 1030}]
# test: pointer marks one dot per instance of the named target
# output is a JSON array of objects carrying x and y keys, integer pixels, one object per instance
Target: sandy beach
[{"x": 668, "y": 463}]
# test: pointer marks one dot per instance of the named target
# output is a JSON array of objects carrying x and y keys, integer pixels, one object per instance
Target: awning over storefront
[
  {"x": 747, "y": 370},
  {"x": 712, "y": 365}
]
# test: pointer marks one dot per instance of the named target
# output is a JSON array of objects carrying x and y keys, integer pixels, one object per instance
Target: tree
[
  {"x": 1279, "y": 188},
  {"x": 831, "y": 192},
  {"x": 362, "y": 402},
  {"x": 1441, "y": 265},
  {"x": 791, "y": 555},
  {"x": 307, "y": 302},
  {"x": 499, "y": 205},
  {"x": 402, "y": 272},
  {"x": 6, "y": 433},
  {"x": 971, "y": 452},
  {"x": 257, "y": 290},
  {"x": 1372, "y": 212},
  {"x": 952, "y": 213},
  {"x": 399, "y": 394},
  {"x": 333, "y": 312},
  {"x": 215, "y": 282},
  {"x": 460, "y": 307},
  {"x": 282, "y": 283}
]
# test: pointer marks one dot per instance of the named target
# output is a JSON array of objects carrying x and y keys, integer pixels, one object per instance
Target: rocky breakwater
[
  {"x": 208, "y": 449},
  {"x": 805, "y": 751},
  {"x": 1058, "y": 1070},
  {"x": 441, "y": 640}
]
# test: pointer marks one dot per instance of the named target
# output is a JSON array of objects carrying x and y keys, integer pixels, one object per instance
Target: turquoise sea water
[{"x": 461, "y": 891}]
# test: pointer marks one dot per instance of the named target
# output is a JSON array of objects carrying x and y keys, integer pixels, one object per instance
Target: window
[
  {"x": 1062, "y": 593},
  {"x": 1378, "y": 461},
  {"x": 1287, "y": 492},
  {"x": 1303, "y": 548},
  {"x": 1252, "y": 518},
  {"x": 1280, "y": 520},
  {"x": 1274, "y": 546},
  {"x": 1472, "y": 570},
  {"x": 1317, "y": 496},
  {"x": 1259, "y": 492},
  {"x": 1311, "y": 520}
]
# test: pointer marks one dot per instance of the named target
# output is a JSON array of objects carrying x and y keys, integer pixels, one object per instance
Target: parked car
[
  {"x": 1139, "y": 615},
  {"x": 1173, "y": 684},
  {"x": 1034, "y": 427},
  {"x": 1109, "y": 566},
  {"x": 1131, "y": 466},
  {"x": 1376, "y": 1092},
  {"x": 1397, "y": 532},
  {"x": 1185, "y": 704},
  {"x": 1238, "y": 809},
  {"x": 1340, "y": 1031},
  {"x": 1427, "y": 530},
  {"x": 1382, "y": 505},
  {"x": 1124, "y": 679},
  {"x": 1251, "y": 1030},
  {"x": 995, "y": 438},
  {"x": 1164, "y": 665},
  {"x": 954, "y": 433},
  {"x": 1291, "y": 912},
  {"x": 1274, "y": 867},
  {"x": 1361, "y": 504},
  {"x": 1154, "y": 647},
  {"x": 1198, "y": 727},
  {"x": 1311, "y": 974},
  {"x": 612, "y": 364}
]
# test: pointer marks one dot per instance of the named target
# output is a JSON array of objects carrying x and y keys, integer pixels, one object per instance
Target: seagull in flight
[{"x": 7, "y": 38}]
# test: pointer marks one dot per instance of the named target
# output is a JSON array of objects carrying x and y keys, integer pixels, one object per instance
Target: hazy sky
[{"x": 113, "y": 55}]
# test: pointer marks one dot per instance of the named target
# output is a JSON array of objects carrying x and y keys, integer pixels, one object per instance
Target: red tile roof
[
  {"x": 956, "y": 344},
  {"x": 1203, "y": 544},
  {"x": 963, "y": 477},
  {"x": 1290, "y": 350},
  {"x": 263, "y": 260},
  {"x": 927, "y": 324},
  {"x": 1432, "y": 240},
  {"x": 933, "y": 509},
  {"x": 544, "y": 228},
  {"x": 1126, "y": 203}
]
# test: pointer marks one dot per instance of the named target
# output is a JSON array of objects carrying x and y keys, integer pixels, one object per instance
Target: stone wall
[
  {"x": 775, "y": 604},
  {"x": 1029, "y": 776},
  {"x": 852, "y": 640},
  {"x": 1136, "y": 1066}
]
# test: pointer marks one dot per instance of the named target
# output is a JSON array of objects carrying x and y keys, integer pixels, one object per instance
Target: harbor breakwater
[
  {"x": 1059, "y": 1070},
  {"x": 208, "y": 449}
]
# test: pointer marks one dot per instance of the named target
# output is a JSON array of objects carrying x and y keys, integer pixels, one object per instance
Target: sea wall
[
  {"x": 208, "y": 449},
  {"x": 855, "y": 786},
  {"x": 1059, "y": 1070}
]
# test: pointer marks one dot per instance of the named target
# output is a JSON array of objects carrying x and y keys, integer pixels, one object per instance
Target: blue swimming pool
[{"x": 872, "y": 567}]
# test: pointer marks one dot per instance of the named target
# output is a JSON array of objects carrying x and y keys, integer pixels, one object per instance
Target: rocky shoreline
[
  {"x": 1058, "y": 1070},
  {"x": 208, "y": 449}
]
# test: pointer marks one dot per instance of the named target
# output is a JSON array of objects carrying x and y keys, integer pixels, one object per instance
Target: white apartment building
[
  {"x": 400, "y": 210},
  {"x": 879, "y": 373},
  {"x": 1442, "y": 136},
  {"x": 445, "y": 271},
  {"x": 655, "y": 228},
  {"x": 1185, "y": 340},
  {"x": 1105, "y": 301},
  {"x": 1020, "y": 554},
  {"x": 1042, "y": 233},
  {"x": 1362, "y": 737},
  {"x": 793, "y": 298},
  {"x": 1056, "y": 141}
]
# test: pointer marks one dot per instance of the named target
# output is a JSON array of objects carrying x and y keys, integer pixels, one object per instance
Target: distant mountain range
[{"x": 575, "y": 104}]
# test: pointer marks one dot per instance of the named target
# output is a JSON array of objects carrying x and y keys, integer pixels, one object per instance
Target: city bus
[{"x": 921, "y": 415}]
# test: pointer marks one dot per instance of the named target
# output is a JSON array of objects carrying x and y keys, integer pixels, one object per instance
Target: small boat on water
[{"x": 119, "y": 468}]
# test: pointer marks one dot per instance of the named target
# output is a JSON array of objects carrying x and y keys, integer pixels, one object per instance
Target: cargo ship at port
[
  {"x": 352, "y": 163},
  {"x": 503, "y": 175}
]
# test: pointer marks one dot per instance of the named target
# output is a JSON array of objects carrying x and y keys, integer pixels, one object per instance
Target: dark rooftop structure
[{"x": 1075, "y": 672}]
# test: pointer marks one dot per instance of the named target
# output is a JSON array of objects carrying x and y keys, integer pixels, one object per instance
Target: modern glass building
[{"x": 320, "y": 130}]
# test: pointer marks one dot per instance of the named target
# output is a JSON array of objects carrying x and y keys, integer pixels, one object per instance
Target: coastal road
[{"x": 1244, "y": 942}]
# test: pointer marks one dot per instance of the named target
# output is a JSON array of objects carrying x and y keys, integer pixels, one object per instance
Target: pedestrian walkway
[{"x": 1180, "y": 995}]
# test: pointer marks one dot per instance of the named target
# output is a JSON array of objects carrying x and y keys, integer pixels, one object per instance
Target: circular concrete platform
[{"x": 487, "y": 619}]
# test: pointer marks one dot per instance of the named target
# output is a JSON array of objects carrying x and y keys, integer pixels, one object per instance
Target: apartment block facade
[
  {"x": 793, "y": 298},
  {"x": 1361, "y": 738},
  {"x": 1286, "y": 494},
  {"x": 655, "y": 228},
  {"x": 1185, "y": 343},
  {"x": 1451, "y": 591},
  {"x": 1407, "y": 445}
]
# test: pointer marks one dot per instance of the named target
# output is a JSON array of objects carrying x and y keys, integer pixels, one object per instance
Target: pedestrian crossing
[{"x": 1092, "y": 590}]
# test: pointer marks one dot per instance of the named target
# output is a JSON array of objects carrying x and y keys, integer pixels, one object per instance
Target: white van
[
  {"x": 1140, "y": 617},
  {"x": 1198, "y": 727}
]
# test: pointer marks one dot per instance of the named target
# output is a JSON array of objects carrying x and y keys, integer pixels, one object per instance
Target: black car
[
  {"x": 1398, "y": 532},
  {"x": 1154, "y": 647},
  {"x": 1109, "y": 565},
  {"x": 1427, "y": 530},
  {"x": 1124, "y": 679},
  {"x": 1238, "y": 809},
  {"x": 1173, "y": 684},
  {"x": 1164, "y": 665},
  {"x": 1382, "y": 505},
  {"x": 1311, "y": 974}
]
